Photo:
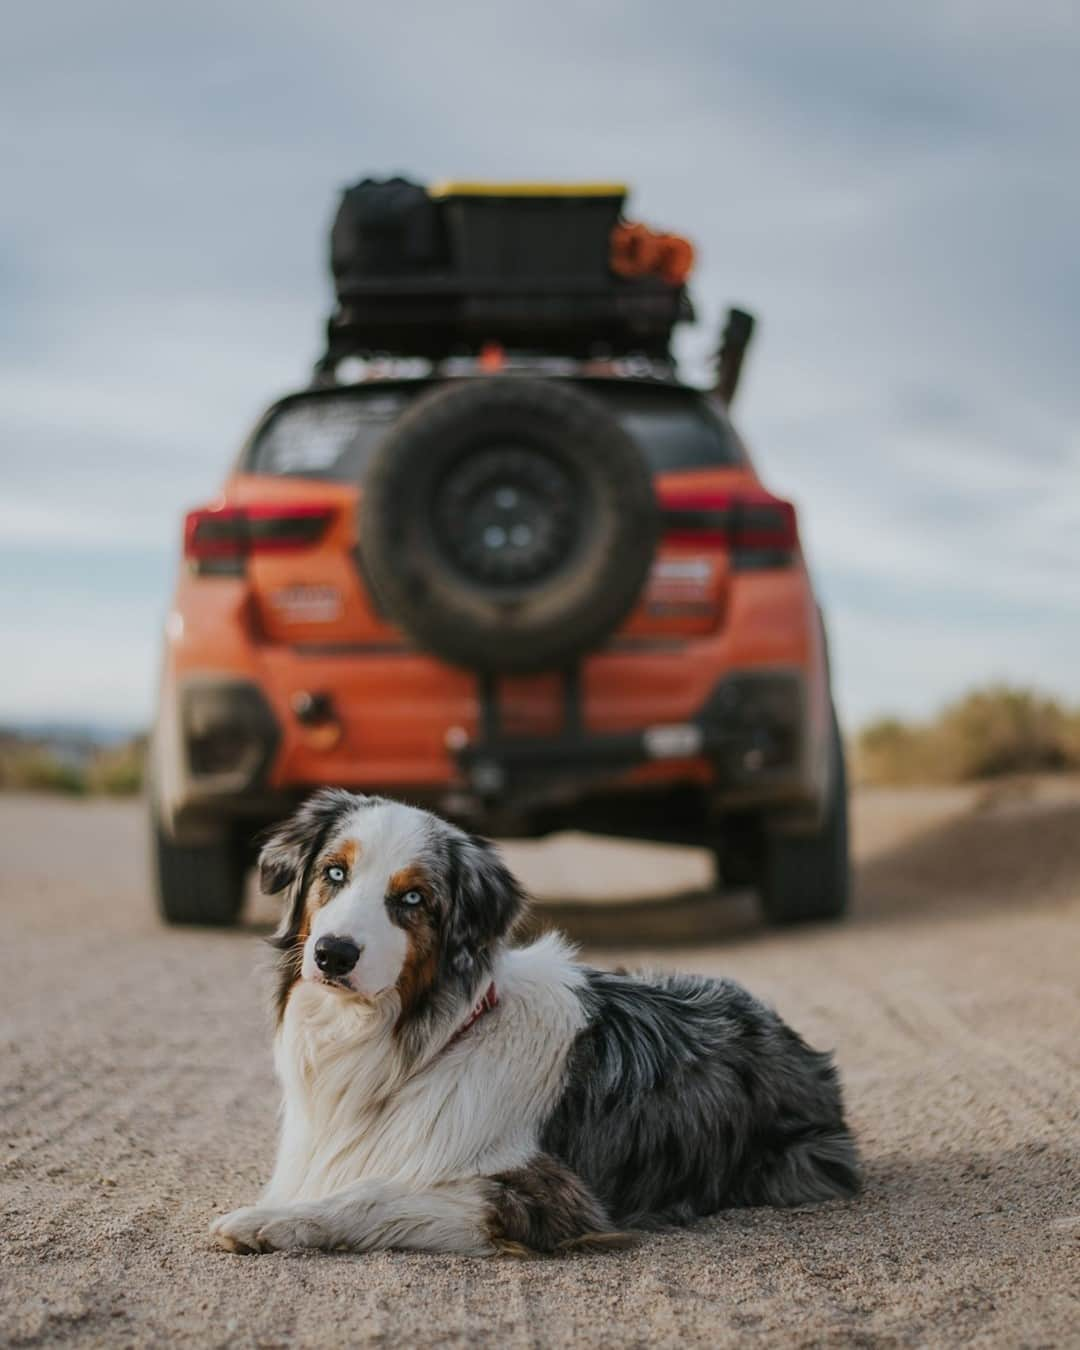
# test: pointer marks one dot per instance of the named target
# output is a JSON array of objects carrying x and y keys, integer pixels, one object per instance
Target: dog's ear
[
  {"x": 485, "y": 900},
  {"x": 288, "y": 848}
]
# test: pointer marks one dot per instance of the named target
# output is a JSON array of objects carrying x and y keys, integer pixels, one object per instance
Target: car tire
[
  {"x": 737, "y": 854},
  {"x": 508, "y": 524},
  {"x": 808, "y": 877},
  {"x": 198, "y": 884}
]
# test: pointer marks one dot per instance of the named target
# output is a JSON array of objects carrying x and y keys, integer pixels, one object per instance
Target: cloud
[{"x": 894, "y": 191}]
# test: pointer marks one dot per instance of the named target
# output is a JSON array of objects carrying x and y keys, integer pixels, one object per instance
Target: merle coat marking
[{"x": 582, "y": 1104}]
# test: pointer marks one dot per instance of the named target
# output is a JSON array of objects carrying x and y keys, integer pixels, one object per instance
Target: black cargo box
[{"x": 442, "y": 271}]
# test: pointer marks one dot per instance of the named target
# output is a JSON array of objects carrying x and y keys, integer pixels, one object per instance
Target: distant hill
[{"x": 70, "y": 732}]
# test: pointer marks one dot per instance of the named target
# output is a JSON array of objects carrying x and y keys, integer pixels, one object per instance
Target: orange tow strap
[{"x": 637, "y": 251}]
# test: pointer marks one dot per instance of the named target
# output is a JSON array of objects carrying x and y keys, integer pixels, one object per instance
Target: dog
[{"x": 444, "y": 1091}]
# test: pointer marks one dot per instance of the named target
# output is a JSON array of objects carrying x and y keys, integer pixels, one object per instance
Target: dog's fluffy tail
[{"x": 806, "y": 1167}]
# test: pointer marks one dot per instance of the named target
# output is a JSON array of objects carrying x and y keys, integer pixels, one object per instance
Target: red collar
[{"x": 489, "y": 1000}]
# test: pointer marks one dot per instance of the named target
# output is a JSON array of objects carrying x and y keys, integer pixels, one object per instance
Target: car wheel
[
  {"x": 806, "y": 877},
  {"x": 508, "y": 524},
  {"x": 197, "y": 883},
  {"x": 737, "y": 855}
]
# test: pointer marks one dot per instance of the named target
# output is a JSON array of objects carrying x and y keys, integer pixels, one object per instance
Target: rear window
[
  {"x": 676, "y": 428},
  {"x": 334, "y": 435},
  {"x": 328, "y": 435}
]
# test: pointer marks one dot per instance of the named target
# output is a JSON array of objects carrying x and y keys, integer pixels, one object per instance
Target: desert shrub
[
  {"x": 1001, "y": 730},
  {"x": 40, "y": 770},
  {"x": 119, "y": 771},
  {"x": 37, "y": 766},
  {"x": 892, "y": 751},
  {"x": 986, "y": 733}
]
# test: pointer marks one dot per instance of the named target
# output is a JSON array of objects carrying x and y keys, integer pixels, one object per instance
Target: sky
[{"x": 895, "y": 194}]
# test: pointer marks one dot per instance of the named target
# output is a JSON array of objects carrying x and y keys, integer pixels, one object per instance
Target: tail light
[
  {"x": 218, "y": 539},
  {"x": 758, "y": 529}
]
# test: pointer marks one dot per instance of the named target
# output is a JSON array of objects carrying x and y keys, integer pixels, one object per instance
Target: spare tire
[{"x": 508, "y": 524}]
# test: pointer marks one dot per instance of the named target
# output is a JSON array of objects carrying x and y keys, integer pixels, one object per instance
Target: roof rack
[
  {"x": 442, "y": 272},
  {"x": 383, "y": 367}
]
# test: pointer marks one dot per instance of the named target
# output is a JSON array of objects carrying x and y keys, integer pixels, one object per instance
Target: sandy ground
[{"x": 137, "y": 1102}]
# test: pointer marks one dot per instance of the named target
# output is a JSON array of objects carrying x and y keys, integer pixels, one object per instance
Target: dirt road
[{"x": 136, "y": 1102}]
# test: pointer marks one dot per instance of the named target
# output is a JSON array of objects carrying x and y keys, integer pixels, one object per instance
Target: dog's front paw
[{"x": 254, "y": 1229}]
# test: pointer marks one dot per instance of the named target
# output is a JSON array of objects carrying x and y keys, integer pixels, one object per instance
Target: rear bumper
[
  {"x": 738, "y": 717},
  {"x": 749, "y": 741},
  {"x": 751, "y": 744}
]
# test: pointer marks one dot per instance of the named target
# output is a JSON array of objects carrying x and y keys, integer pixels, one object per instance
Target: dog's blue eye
[
  {"x": 336, "y": 875},
  {"x": 411, "y": 898}
]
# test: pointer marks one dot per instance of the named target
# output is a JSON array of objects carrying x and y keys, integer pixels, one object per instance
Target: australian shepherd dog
[{"x": 445, "y": 1091}]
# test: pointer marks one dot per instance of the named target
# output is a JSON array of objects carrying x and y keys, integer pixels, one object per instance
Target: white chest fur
[{"x": 353, "y": 1111}]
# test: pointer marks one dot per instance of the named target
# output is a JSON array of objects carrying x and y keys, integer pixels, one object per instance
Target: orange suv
[{"x": 514, "y": 570}]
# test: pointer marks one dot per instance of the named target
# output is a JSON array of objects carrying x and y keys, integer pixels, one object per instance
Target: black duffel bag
[{"x": 381, "y": 229}]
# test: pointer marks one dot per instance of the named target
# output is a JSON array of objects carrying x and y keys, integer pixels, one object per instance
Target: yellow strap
[{"x": 453, "y": 187}]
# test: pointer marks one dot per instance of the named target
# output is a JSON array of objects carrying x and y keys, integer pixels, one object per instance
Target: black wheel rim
[{"x": 508, "y": 516}]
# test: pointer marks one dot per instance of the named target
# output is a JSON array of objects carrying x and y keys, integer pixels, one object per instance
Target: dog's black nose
[{"x": 336, "y": 956}]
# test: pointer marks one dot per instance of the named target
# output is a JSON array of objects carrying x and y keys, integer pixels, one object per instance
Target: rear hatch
[{"x": 290, "y": 520}]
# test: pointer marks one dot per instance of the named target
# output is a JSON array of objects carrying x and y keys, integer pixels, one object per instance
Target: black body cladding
[{"x": 685, "y": 1095}]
